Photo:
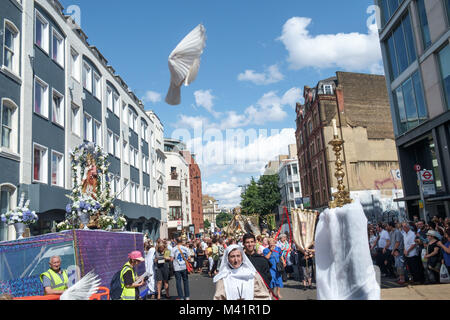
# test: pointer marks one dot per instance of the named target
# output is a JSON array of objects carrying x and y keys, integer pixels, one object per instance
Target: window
[
  {"x": 57, "y": 108},
  {"x": 11, "y": 47},
  {"x": 75, "y": 120},
  {"x": 40, "y": 97},
  {"x": 133, "y": 192},
  {"x": 447, "y": 6},
  {"x": 444, "y": 64},
  {"x": 110, "y": 142},
  {"x": 117, "y": 146},
  {"x": 40, "y": 163},
  {"x": 130, "y": 119},
  {"x": 401, "y": 48},
  {"x": 144, "y": 131},
  {"x": 116, "y": 106},
  {"x": 6, "y": 200},
  {"x": 41, "y": 29},
  {"x": 294, "y": 169},
  {"x": 145, "y": 164},
  {"x": 124, "y": 113},
  {"x": 136, "y": 158},
  {"x": 87, "y": 77},
  {"x": 117, "y": 185},
  {"x": 174, "y": 213},
  {"x": 98, "y": 139},
  {"x": 135, "y": 123},
  {"x": 109, "y": 98},
  {"x": 132, "y": 158},
  {"x": 328, "y": 89},
  {"x": 57, "y": 169},
  {"x": 75, "y": 64},
  {"x": 410, "y": 104},
  {"x": 426, "y": 38},
  {"x": 173, "y": 173},
  {"x": 138, "y": 194},
  {"x": 145, "y": 196},
  {"x": 57, "y": 48},
  {"x": 97, "y": 88},
  {"x": 8, "y": 125},
  {"x": 87, "y": 128},
  {"x": 126, "y": 192},
  {"x": 125, "y": 152}
]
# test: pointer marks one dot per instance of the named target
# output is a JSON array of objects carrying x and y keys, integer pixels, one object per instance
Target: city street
[{"x": 202, "y": 288}]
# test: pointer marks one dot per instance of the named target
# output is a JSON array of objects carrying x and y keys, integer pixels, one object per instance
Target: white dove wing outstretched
[
  {"x": 83, "y": 289},
  {"x": 184, "y": 63}
]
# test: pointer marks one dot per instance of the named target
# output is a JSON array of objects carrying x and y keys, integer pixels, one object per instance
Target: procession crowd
[
  {"x": 412, "y": 252},
  {"x": 273, "y": 258}
]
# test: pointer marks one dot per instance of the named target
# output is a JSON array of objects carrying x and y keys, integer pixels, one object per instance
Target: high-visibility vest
[
  {"x": 55, "y": 280},
  {"x": 127, "y": 293}
]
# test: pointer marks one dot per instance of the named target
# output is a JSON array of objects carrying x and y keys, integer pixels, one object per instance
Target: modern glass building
[
  {"x": 58, "y": 91},
  {"x": 414, "y": 37}
]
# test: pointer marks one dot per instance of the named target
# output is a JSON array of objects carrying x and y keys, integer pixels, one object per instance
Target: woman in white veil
[{"x": 238, "y": 279}]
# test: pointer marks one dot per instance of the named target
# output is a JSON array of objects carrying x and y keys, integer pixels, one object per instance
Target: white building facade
[
  {"x": 178, "y": 188},
  {"x": 69, "y": 95}
]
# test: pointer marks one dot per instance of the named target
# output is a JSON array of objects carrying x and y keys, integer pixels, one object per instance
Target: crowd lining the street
[{"x": 411, "y": 252}]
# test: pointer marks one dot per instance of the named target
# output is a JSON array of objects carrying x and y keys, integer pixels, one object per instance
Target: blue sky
[{"x": 258, "y": 57}]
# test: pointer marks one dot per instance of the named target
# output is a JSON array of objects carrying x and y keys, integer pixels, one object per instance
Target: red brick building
[{"x": 195, "y": 179}]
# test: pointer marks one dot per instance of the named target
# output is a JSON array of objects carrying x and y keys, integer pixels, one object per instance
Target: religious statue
[{"x": 89, "y": 185}]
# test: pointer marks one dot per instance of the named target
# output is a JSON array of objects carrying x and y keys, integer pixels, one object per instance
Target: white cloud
[
  {"x": 152, "y": 96},
  {"x": 269, "y": 108},
  {"x": 350, "y": 51},
  {"x": 271, "y": 75},
  {"x": 204, "y": 98}
]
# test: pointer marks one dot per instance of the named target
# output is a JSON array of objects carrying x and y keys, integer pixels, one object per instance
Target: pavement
[
  {"x": 201, "y": 287},
  {"x": 421, "y": 292}
]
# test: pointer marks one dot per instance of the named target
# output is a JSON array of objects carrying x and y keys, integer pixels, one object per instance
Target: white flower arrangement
[
  {"x": 65, "y": 225},
  {"x": 21, "y": 214}
]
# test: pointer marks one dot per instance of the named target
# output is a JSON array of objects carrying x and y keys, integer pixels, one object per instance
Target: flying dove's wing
[
  {"x": 83, "y": 289},
  {"x": 184, "y": 62}
]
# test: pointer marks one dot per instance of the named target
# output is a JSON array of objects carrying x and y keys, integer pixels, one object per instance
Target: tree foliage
[
  {"x": 223, "y": 219},
  {"x": 206, "y": 224},
  {"x": 262, "y": 197}
]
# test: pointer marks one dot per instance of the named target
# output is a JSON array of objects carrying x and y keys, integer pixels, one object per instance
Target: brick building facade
[{"x": 360, "y": 105}]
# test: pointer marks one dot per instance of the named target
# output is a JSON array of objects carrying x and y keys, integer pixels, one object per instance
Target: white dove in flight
[
  {"x": 184, "y": 63},
  {"x": 83, "y": 289}
]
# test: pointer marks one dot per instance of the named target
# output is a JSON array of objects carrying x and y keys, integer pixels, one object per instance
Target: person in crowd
[
  {"x": 210, "y": 258},
  {"x": 238, "y": 279},
  {"x": 220, "y": 246},
  {"x": 55, "y": 280},
  {"x": 264, "y": 245},
  {"x": 306, "y": 262},
  {"x": 179, "y": 256},
  {"x": 201, "y": 255},
  {"x": 397, "y": 244},
  {"x": 411, "y": 255},
  {"x": 399, "y": 264},
  {"x": 261, "y": 264},
  {"x": 128, "y": 279},
  {"x": 445, "y": 247},
  {"x": 383, "y": 244},
  {"x": 150, "y": 269},
  {"x": 215, "y": 258},
  {"x": 286, "y": 252},
  {"x": 273, "y": 254},
  {"x": 433, "y": 256},
  {"x": 372, "y": 243},
  {"x": 191, "y": 254},
  {"x": 161, "y": 272}
]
